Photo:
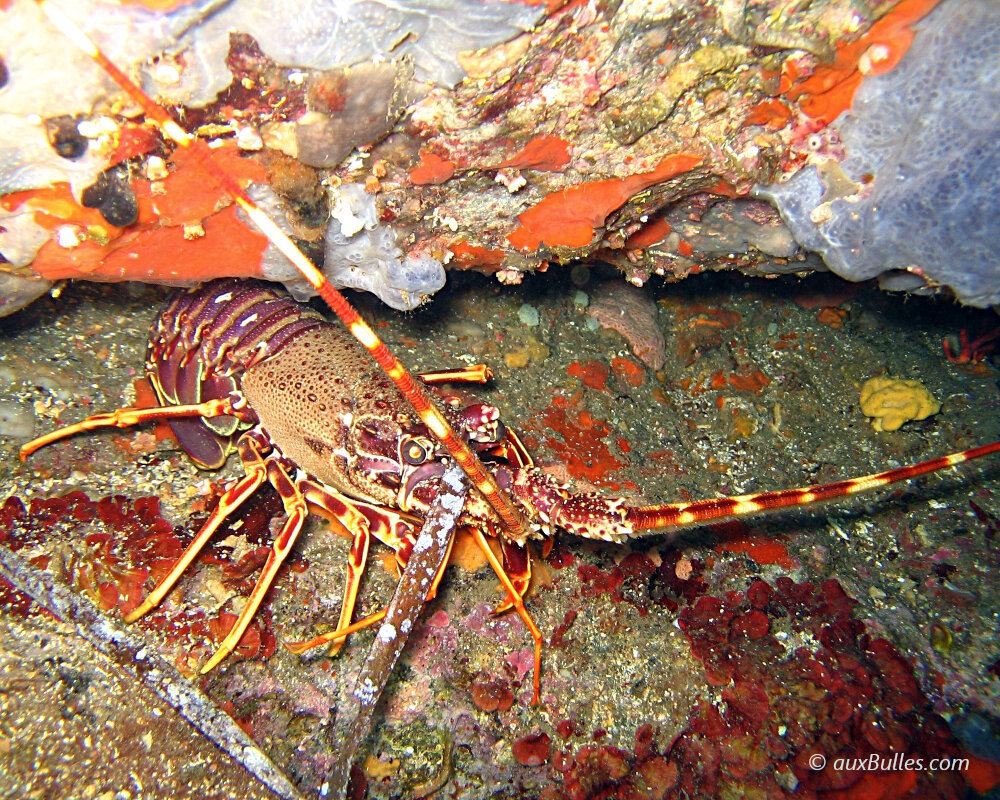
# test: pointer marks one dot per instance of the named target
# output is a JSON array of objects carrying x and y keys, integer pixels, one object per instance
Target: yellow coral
[{"x": 893, "y": 401}]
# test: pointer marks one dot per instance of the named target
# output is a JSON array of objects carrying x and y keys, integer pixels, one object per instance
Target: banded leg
[
  {"x": 362, "y": 521},
  {"x": 343, "y": 631},
  {"x": 127, "y": 417},
  {"x": 249, "y": 451},
  {"x": 517, "y": 565},
  {"x": 295, "y": 508}
]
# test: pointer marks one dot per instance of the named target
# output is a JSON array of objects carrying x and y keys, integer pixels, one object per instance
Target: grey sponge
[{"x": 922, "y": 188}]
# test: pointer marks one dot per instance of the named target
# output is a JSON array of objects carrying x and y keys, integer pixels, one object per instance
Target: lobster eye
[{"x": 414, "y": 453}]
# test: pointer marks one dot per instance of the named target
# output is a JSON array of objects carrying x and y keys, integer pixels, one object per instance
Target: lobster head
[{"x": 398, "y": 454}]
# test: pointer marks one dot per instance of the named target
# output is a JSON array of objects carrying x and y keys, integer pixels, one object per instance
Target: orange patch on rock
[
  {"x": 431, "y": 169},
  {"x": 830, "y": 89},
  {"x": 627, "y": 371},
  {"x": 568, "y": 217},
  {"x": 577, "y": 440},
  {"x": 771, "y": 113},
  {"x": 155, "y": 247},
  {"x": 189, "y": 197},
  {"x": 834, "y": 317},
  {"x": 749, "y": 381},
  {"x": 133, "y": 141},
  {"x": 725, "y": 189},
  {"x": 466, "y": 552},
  {"x": 656, "y": 230},
  {"x": 54, "y": 206},
  {"x": 229, "y": 248},
  {"x": 544, "y": 153},
  {"x": 738, "y": 538},
  {"x": 470, "y": 256},
  {"x": 593, "y": 373}
]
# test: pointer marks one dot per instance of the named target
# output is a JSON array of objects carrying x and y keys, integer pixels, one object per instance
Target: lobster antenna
[
  {"x": 680, "y": 515},
  {"x": 513, "y": 521}
]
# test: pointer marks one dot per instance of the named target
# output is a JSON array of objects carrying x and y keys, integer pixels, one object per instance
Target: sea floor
[{"x": 715, "y": 662}]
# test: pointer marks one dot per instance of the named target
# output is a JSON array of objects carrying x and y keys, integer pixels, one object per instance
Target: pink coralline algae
[
  {"x": 842, "y": 694},
  {"x": 628, "y": 310}
]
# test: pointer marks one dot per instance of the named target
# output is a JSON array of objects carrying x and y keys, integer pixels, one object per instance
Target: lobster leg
[
  {"x": 477, "y": 373},
  {"x": 343, "y": 631},
  {"x": 517, "y": 565},
  {"x": 233, "y": 498},
  {"x": 127, "y": 417},
  {"x": 515, "y": 599},
  {"x": 362, "y": 521},
  {"x": 295, "y": 508}
]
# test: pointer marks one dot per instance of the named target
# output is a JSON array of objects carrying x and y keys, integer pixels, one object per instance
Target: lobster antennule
[{"x": 678, "y": 515}]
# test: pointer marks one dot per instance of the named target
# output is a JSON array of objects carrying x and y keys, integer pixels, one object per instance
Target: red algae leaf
[
  {"x": 431, "y": 169},
  {"x": 569, "y": 216},
  {"x": 754, "y": 624},
  {"x": 543, "y": 153},
  {"x": 491, "y": 695},
  {"x": 762, "y": 551},
  {"x": 532, "y": 750}
]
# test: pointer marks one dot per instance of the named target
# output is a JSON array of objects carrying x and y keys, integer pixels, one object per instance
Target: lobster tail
[{"x": 678, "y": 515}]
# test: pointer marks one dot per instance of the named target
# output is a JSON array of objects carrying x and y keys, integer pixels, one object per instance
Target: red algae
[
  {"x": 114, "y": 549},
  {"x": 490, "y": 694},
  {"x": 532, "y": 750},
  {"x": 738, "y": 537},
  {"x": 846, "y": 695},
  {"x": 593, "y": 374}
]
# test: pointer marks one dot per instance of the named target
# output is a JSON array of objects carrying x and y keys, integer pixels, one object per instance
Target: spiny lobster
[
  {"x": 374, "y": 456},
  {"x": 238, "y": 364}
]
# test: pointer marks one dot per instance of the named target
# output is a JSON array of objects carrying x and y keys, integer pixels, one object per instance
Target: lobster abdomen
[{"x": 205, "y": 340}]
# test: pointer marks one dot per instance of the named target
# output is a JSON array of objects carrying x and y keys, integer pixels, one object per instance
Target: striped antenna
[
  {"x": 513, "y": 521},
  {"x": 681, "y": 515}
]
